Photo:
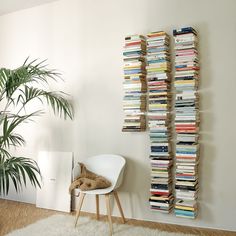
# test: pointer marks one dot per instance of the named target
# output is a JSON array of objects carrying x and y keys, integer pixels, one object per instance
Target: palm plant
[{"x": 18, "y": 88}]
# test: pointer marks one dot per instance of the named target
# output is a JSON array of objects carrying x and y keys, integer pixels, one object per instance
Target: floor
[{"x": 14, "y": 215}]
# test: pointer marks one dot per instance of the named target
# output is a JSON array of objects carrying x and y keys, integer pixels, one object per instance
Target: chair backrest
[{"x": 109, "y": 166}]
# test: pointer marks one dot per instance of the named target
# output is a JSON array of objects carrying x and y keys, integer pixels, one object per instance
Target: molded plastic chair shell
[{"x": 107, "y": 165}]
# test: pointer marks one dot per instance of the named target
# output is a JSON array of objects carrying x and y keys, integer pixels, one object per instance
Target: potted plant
[{"x": 18, "y": 88}]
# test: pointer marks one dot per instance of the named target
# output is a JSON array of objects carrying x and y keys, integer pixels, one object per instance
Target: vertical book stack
[
  {"x": 186, "y": 121},
  {"x": 135, "y": 87},
  {"x": 158, "y": 79}
]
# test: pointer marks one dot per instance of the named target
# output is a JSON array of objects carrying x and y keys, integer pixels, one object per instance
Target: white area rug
[{"x": 63, "y": 225}]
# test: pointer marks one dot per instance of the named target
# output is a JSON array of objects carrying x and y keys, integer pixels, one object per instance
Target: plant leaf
[{"x": 18, "y": 169}]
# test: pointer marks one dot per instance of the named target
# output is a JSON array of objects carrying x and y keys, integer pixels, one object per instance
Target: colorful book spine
[
  {"x": 135, "y": 86},
  {"x": 186, "y": 121},
  {"x": 159, "y": 103}
]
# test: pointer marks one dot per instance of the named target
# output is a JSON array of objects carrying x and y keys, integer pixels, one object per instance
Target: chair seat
[{"x": 96, "y": 191}]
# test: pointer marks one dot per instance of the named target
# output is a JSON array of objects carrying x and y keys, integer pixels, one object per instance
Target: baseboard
[
  {"x": 192, "y": 226},
  {"x": 164, "y": 223}
]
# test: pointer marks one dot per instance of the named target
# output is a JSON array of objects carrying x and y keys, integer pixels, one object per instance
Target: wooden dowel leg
[
  {"x": 81, "y": 199},
  {"x": 107, "y": 196},
  {"x": 119, "y": 206},
  {"x": 97, "y": 206}
]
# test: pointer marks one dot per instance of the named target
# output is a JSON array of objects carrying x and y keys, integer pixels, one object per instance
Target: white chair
[{"x": 111, "y": 167}]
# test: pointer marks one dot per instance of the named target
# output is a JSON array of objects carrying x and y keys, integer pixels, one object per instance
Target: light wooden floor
[{"x": 14, "y": 215}]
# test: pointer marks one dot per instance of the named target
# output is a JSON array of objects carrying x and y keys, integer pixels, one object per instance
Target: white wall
[{"x": 84, "y": 40}]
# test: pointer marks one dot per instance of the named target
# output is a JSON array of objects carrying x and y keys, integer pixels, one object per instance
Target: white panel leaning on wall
[{"x": 56, "y": 170}]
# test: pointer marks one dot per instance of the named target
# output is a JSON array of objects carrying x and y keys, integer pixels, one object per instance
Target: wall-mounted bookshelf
[
  {"x": 147, "y": 86},
  {"x": 186, "y": 121},
  {"x": 159, "y": 104},
  {"x": 135, "y": 86}
]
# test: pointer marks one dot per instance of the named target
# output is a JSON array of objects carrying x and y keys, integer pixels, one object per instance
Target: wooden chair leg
[
  {"x": 107, "y": 196},
  {"x": 81, "y": 199},
  {"x": 119, "y": 206},
  {"x": 97, "y": 206}
]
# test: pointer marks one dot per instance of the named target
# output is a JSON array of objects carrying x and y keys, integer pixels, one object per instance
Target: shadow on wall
[
  {"x": 55, "y": 134},
  {"x": 136, "y": 185},
  {"x": 207, "y": 148}
]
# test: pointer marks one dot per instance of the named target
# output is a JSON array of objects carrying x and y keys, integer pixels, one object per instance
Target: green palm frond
[
  {"x": 29, "y": 72},
  {"x": 4, "y": 154},
  {"x": 39, "y": 72},
  {"x": 59, "y": 104},
  {"x": 19, "y": 87},
  {"x": 9, "y": 125},
  {"x": 14, "y": 140},
  {"x": 4, "y": 76},
  {"x": 15, "y": 80},
  {"x": 17, "y": 170},
  {"x": 56, "y": 100}
]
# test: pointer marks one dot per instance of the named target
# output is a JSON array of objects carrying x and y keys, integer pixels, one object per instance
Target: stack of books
[
  {"x": 186, "y": 208},
  {"x": 135, "y": 86},
  {"x": 186, "y": 121},
  {"x": 159, "y": 104},
  {"x": 161, "y": 199}
]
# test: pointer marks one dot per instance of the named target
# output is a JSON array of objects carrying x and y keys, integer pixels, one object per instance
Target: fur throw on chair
[{"x": 87, "y": 180}]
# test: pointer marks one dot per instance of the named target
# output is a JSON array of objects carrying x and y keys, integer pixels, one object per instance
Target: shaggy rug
[{"x": 63, "y": 225}]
